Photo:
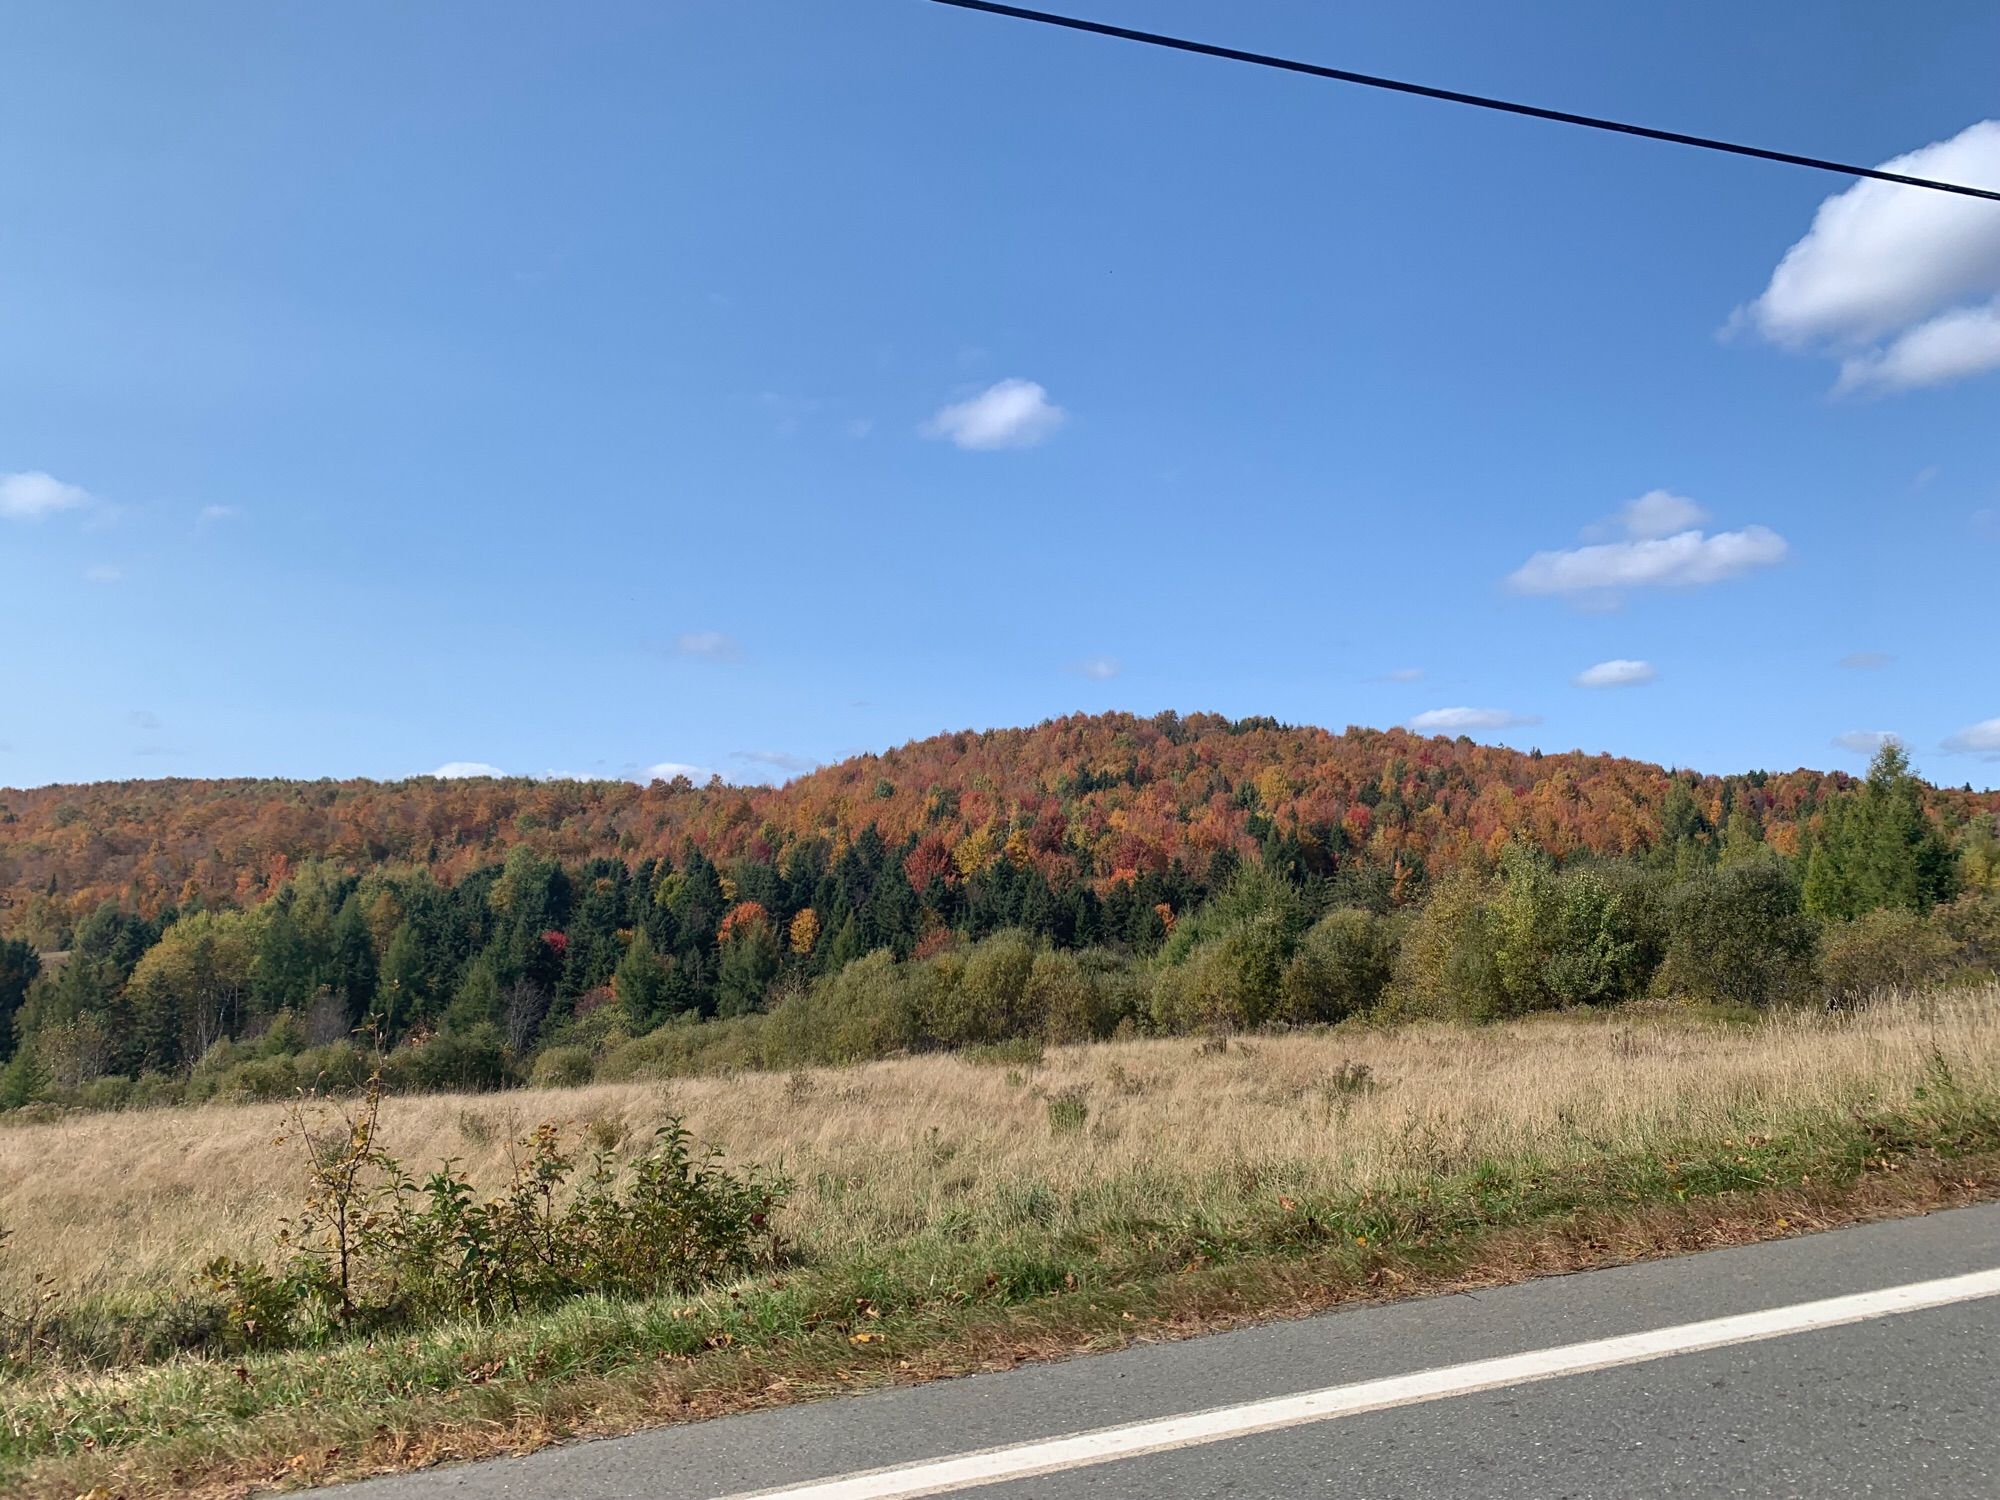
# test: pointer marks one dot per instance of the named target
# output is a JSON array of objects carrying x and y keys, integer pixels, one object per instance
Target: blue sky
[{"x": 740, "y": 385}]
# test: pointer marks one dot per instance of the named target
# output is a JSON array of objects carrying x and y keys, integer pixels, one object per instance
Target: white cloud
[
  {"x": 1866, "y": 661},
  {"x": 1866, "y": 742},
  {"x": 1898, "y": 282},
  {"x": 859, "y": 427},
  {"x": 1617, "y": 673},
  {"x": 103, "y": 573},
  {"x": 1100, "y": 668},
  {"x": 29, "y": 497},
  {"x": 709, "y": 645},
  {"x": 1986, "y": 523},
  {"x": 667, "y": 770},
  {"x": 460, "y": 770},
  {"x": 1689, "y": 560},
  {"x": 1458, "y": 720},
  {"x": 1952, "y": 346},
  {"x": 1403, "y": 674},
  {"x": 1982, "y": 738},
  {"x": 1009, "y": 414},
  {"x": 1659, "y": 513},
  {"x": 209, "y": 515}
]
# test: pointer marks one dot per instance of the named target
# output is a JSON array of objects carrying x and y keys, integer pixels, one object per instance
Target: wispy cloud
[
  {"x": 103, "y": 573},
  {"x": 1099, "y": 668},
  {"x": 1866, "y": 661},
  {"x": 1616, "y": 673},
  {"x": 1982, "y": 738},
  {"x": 143, "y": 718},
  {"x": 1690, "y": 559},
  {"x": 1460, "y": 720},
  {"x": 1656, "y": 513},
  {"x": 1866, "y": 742},
  {"x": 708, "y": 645},
  {"x": 35, "y": 495},
  {"x": 1007, "y": 414},
  {"x": 462, "y": 770},
  {"x": 1986, "y": 523},
  {"x": 212, "y": 515},
  {"x": 1403, "y": 674},
  {"x": 1898, "y": 285}
]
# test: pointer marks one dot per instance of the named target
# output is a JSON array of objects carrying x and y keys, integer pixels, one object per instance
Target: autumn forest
[{"x": 175, "y": 939}]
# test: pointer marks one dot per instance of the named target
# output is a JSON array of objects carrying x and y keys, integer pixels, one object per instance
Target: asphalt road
[{"x": 1903, "y": 1403}]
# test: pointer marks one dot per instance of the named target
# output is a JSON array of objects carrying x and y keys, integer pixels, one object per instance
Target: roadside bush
[
  {"x": 1230, "y": 982},
  {"x": 1560, "y": 936},
  {"x": 868, "y": 1009},
  {"x": 1739, "y": 935},
  {"x": 1081, "y": 997},
  {"x": 687, "y": 1045},
  {"x": 984, "y": 997},
  {"x": 1891, "y": 948},
  {"x": 563, "y": 1068},
  {"x": 1972, "y": 923},
  {"x": 1448, "y": 965},
  {"x": 1339, "y": 969},
  {"x": 374, "y": 1249}
]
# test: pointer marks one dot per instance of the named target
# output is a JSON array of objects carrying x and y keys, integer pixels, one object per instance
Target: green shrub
[
  {"x": 1739, "y": 935},
  {"x": 563, "y": 1068},
  {"x": 1448, "y": 964},
  {"x": 450, "y": 1062},
  {"x": 105, "y": 1093},
  {"x": 372, "y": 1248},
  {"x": 1340, "y": 968},
  {"x": 259, "y": 1078},
  {"x": 866, "y": 1010},
  {"x": 1560, "y": 937},
  {"x": 1067, "y": 1109},
  {"x": 1972, "y": 923},
  {"x": 1890, "y": 948},
  {"x": 1015, "y": 1052},
  {"x": 983, "y": 997},
  {"x": 687, "y": 1046}
]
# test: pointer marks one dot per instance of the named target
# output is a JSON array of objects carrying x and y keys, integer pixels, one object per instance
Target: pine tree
[
  {"x": 352, "y": 966},
  {"x": 641, "y": 984}
]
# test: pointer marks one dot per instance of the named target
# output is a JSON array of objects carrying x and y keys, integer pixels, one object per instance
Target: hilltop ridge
[{"x": 1098, "y": 798}]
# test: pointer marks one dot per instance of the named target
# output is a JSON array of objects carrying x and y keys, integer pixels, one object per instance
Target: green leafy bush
[
  {"x": 563, "y": 1068},
  {"x": 1739, "y": 935},
  {"x": 372, "y": 1248},
  {"x": 1339, "y": 969},
  {"x": 1891, "y": 948}
]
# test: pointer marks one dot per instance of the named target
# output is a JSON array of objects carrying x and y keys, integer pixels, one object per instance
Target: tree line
[{"x": 531, "y": 968}]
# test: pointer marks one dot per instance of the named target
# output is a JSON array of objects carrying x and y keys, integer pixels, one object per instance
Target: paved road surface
[{"x": 1875, "y": 1402}]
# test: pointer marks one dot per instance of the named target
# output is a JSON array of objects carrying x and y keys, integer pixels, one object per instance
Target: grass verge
[{"x": 901, "y": 1313}]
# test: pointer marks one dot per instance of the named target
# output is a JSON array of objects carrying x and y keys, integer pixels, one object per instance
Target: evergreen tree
[
  {"x": 641, "y": 984},
  {"x": 18, "y": 967},
  {"x": 1878, "y": 848},
  {"x": 749, "y": 964},
  {"x": 286, "y": 974},
  {"x": 477, "y": 1000},
  {"x": 402, "y": 997},
  {"x": 351, "y": 965}
]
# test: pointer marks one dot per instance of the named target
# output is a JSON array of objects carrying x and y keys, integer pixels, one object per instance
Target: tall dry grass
[{"x": 943, "y": 1145}]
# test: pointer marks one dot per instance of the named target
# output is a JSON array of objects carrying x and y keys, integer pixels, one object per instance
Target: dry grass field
[{"x": 1088, "y": 1139}]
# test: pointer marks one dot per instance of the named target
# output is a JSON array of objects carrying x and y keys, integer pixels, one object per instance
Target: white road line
[{"x": 1108, "y": 1444}]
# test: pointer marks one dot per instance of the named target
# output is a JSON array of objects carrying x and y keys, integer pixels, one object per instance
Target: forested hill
[{"x": 1085, "y": 799}]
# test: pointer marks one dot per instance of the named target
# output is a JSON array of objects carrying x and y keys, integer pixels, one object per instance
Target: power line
[{"x": 1453, "y": 96}]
